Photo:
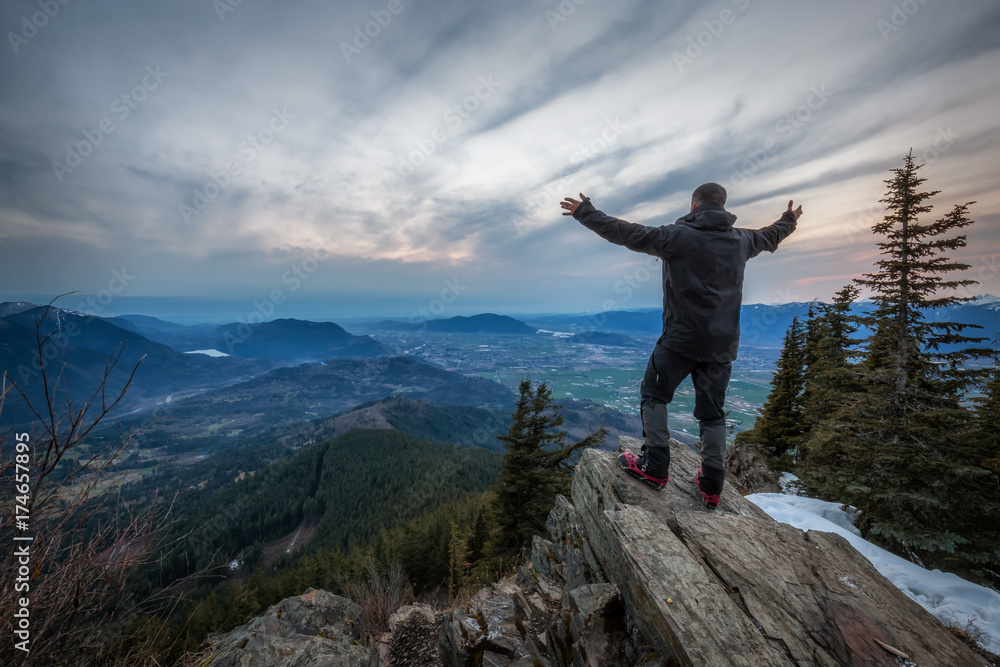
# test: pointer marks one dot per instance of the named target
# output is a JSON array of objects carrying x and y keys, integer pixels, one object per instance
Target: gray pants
[{"x": 664, "y": 372}]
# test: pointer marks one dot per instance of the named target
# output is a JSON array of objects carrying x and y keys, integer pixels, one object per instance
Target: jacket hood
[{"x": 709, "y": 217}]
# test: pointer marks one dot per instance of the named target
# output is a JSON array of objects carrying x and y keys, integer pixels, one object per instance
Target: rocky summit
[{"x": 632, "y": 576}]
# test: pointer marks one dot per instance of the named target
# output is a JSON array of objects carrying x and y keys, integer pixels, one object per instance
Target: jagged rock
[
  {"x": 411, "y": 640},
  {"x": 500, "y": 624},
  {"x": 313, "y": 629},
  {"x": 592, "y": 630},
  {"x": 735, "y": 587},
  {"x": 575, "y": 562}
]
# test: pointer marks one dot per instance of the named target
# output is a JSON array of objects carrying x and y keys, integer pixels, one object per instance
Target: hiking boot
[
  {"x": 709, "y": 486},
  {"x": 643, "y": 469}
]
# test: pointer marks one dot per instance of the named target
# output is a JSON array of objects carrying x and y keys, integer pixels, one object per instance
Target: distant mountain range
[
  {"x": 761, "y": 325},
  {"x": 77, "y": 348},
  {"x": 490, "y": 323},
  {"x": 79, "y": 345},
  {"x": 291, "y": 395},
  {"x": 277, "y": 339}
]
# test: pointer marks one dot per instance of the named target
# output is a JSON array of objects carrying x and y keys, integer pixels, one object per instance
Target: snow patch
[
  {"x": 209, "y": 353},
  {"x": 790, "y": 484},
  {"x": 951, "y": 599}
]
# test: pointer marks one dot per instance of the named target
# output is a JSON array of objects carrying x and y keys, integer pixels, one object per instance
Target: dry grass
[
  {"x": 379, "y": 596},
  {"x": 973, "y": 636}
]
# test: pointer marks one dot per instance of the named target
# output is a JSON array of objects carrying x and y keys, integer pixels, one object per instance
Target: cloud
[{"x": 443, "y": 143}]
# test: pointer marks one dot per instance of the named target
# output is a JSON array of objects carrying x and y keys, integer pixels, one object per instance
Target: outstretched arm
[
  {"x": 769, "y": 237},
  {"x": 640, "y": 238}
]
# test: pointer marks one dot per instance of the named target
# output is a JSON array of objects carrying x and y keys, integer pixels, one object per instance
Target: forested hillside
[{"x": 347, "y": 490}]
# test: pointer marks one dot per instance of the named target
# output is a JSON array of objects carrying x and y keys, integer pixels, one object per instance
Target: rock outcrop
[
  {"x": 316, "y": 628},
  {"x": 632, "y": 576},
  {"x": 735, "y": 587}
]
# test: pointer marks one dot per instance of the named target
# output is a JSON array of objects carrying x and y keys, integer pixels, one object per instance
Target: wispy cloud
[{"x": 442, "y": 145}]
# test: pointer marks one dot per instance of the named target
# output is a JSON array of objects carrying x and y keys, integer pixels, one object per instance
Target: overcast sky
[{"x": 373, "y": 157}]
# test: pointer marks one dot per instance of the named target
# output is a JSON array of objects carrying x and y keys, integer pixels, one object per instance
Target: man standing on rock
[{"x": 703, "y": 261}]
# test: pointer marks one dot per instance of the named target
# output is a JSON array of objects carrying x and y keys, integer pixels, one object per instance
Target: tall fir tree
[
  {"x": 831, "y": 380},
  {"x": 779, "y": 427},
  {"x": 458, "y": 551},
  {"x": 986, "y": 436},
  {"x": 537, "y": 466},
  {"x": 983, "y": 524},
  {"x": 829, "y": 373},
  {"x": 480, "y": 534},
  {"x": 905, "y": 453}
]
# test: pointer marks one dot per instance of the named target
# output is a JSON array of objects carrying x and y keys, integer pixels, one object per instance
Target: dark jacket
[{"x": 703, "y": 261}]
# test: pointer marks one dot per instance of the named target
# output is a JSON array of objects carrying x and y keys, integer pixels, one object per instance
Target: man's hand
[
  {"x": 797, "y": 212},
  {"x": 570, "y": 204}
]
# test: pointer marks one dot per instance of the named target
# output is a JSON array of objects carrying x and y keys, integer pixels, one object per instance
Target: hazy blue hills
[
  {"x": 764, "y": 324},
  {"x": 294, "y": 339},
  {"x": 760, "y": 324},
  {"x": 8, "y": 308},
  {"x": 78, "y": 346},
  {"x": 488, "y": 323},
  {"x": 291, "y": 395},
  {"x": 288, "y": 339},
  {"x": 147, "y": 324}
]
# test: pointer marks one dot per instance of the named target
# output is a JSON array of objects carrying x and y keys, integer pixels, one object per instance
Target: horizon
[
  {"x": 129, "y": 306},
  {"x": 425, "y": 161}
]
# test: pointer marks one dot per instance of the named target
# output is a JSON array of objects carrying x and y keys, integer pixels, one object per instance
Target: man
[{"x": 703, "y": 261}]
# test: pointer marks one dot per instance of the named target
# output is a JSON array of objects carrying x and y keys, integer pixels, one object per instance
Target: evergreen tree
[
  {"x": 537, "y": 466},
  {"x": 457, "y": 552},
  {"x": 905, "y": 459},
  {"x": 779, "y": 428},
  {"x": 981, "y": 521},
  {"x": 986, "y": 436},
  {"x": 480, "y": 535},
  {"x": 831, "y": 381},
  {"x": 829, "y": 373}
]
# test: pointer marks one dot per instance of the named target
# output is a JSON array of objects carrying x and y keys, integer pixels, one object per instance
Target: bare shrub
[
  {"x": 82, "y": 540},
  {"x": 379, "y": 596}
]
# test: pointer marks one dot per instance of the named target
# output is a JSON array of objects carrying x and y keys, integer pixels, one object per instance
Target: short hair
[{"x": 709, "y": 193}]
